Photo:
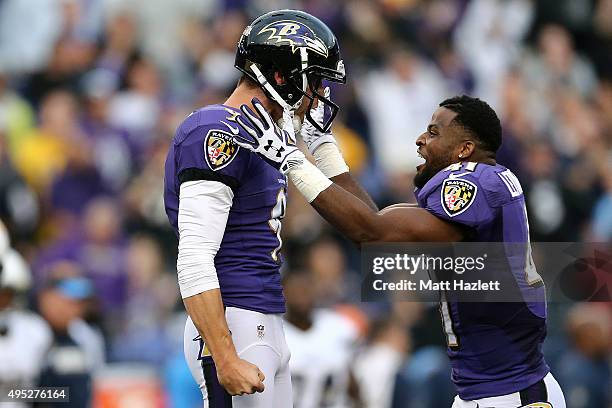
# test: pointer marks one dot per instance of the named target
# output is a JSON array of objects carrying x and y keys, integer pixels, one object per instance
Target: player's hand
[
  {"x": 312, "y": 136},
  {"x": 239, "y": 377},
  {"x": 275, "y": 145}
]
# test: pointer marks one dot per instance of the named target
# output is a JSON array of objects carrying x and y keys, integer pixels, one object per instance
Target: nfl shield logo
[
  {"x": 457, "y": 195},
  {"x": 260, "y": 331},
  {"x": 220, "y": 149}
]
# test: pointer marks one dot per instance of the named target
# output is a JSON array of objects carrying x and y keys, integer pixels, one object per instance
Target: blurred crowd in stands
[{"x": 92, "y": 90}]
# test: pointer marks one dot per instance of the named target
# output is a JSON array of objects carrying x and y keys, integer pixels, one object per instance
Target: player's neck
[
  {"x": 481, "y": 157},
  {"x": 243, "y": 95}
]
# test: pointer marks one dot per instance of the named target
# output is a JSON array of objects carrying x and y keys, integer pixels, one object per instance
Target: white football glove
[
  {"x": 312, "y": 136},
  {"x": 275, "y": 145}
]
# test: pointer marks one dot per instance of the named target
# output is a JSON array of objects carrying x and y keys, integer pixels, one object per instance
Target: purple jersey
[
  {"x": 248, "y": 260},
  {"x": 494, "y": 348}
]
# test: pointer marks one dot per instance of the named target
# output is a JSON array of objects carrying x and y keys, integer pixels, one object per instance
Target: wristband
[
  {"x": 329, "y": 160},
  {"x": 309, "y": 180}
]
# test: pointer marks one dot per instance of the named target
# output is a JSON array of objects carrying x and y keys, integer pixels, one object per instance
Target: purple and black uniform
[
  {"x": 248, "y": 259},
  {"x": 494, "y": 348}
]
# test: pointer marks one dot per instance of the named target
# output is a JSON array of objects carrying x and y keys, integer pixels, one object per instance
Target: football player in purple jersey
[
  {"x": 463, "y": 194},
  {"x": 226, "y": 203}
]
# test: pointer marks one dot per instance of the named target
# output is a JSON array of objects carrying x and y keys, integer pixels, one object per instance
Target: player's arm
[
  {"x": 203, "y": 211},
  {"x": 361, "y": 224},
  {"x": 327, "y": 155},
  {"x": 349, "y": 214},
  {"x": 348, "y": 182},
  {"x": 208, "y": 315}
]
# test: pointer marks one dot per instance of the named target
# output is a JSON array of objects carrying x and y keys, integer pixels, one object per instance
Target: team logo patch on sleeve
[
  {"x": 457, "y": 195},
  {"x": 220, "y": 149}
]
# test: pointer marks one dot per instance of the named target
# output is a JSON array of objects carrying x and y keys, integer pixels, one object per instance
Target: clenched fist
[{"x": 239, "y": 377}]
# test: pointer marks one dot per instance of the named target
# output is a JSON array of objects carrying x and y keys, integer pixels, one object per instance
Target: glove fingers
[
  {"x": 263, "y": 113},
  {"x": 250, "y": 130},
  {"x": 258, "y": 126},
  {"x": 240, "y": 141},
  {"x": 247, "y": 145}
]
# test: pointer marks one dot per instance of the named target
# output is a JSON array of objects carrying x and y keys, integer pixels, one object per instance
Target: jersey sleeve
[
  {"x": 461, "y": 200},
  {"x": 203, "y": 212},
  {"x": 207, "y": 151}
]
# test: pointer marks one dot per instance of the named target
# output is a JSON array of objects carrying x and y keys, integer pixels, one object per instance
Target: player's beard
[{"x": 431, "y": 167}]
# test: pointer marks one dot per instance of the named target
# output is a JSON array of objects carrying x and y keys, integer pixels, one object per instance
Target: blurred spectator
[
  {"x": 600, "y": 44},
  {"x": 152, "y": 289},
  {"x": 227, "y": 31},
  {"x": 376, "y": 366},
  {"x": 544, "y": 197},
  {"x": 119, "y": 44},
  {"x": 399, "y": 100},
  {"x": 69, "y": 60},
  {"x": 332, "y": 281},
  {"x": 144, "y": 194},
  {"x": 488, "y": 39},
  {"x": 353, "y": 148},
  {"x": 16, "y": 114},
  {"x": 43, "y": 154},
  {"x": 302, "y": 227},
  {"x": 584, "y": 370},
  {"x": 555, "y": 70},
  {"x": 602, "y": 216},
  {"x": 28, "y": 31},
  {"x": 558, "y": 66},
  {"x": 515, "y": 116},
  {"x": 24, "y": 336},
  {"x": 18, "y": 205},
  {"x": 97, "y": 246},
  {"x": 82, "y": 20},
  {"x": 138, "y": 107},
  {"x": 77, "y": 349},
  {"x": 160, "y": 22},
  {"x": 459, "y": 79},
  {"x": 322, "y": 345},
  {"x": 78, "y": 183},
  {"x": 575, "y": 15},
  {"x": 113, "y": 159},
  {"x": 424, "y": 381}
]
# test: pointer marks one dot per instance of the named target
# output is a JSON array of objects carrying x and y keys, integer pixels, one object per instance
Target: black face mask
[{"x": 315, "y": 75}]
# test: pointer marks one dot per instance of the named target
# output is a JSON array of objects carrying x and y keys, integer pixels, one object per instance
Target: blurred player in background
[
  {"x": 322, "y": 344},
  {"x": 225, "y": 204},
  {"x": 377, "y": 364},
  {"x": 584, "y": 370},
  {"x": 24, "y": 337},
  {"x": 463, "y": 195},
  {"x": 77, "y": 349}
]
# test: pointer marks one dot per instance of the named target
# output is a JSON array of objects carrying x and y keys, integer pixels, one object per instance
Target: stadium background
[{"x": 92, "y": 90}]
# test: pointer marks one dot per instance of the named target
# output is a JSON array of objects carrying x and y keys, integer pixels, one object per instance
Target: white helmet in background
[
  {"x": 5, "y": 244},
  {"x": 14, "y": 270}
]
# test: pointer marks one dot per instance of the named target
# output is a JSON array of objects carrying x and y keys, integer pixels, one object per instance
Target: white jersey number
[{"x": 277, "y": 214}]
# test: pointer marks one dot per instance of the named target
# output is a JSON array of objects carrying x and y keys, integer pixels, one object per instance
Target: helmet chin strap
[
  {"x": 268, "y": 87},
  {"x": 288, "y": 110}
]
